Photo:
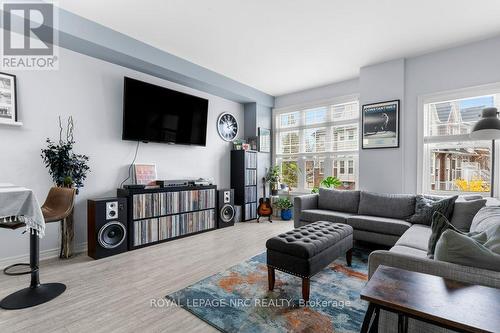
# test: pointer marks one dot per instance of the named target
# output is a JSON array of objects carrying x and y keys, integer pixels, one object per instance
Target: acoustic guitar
[{"x": 265, "y": 208}]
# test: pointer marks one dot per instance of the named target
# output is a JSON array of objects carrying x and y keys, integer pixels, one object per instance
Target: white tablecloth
[{"x": 21, "y": 202}]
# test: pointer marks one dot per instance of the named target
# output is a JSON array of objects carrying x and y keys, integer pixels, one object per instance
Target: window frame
[
  {"x": 423, "y": 178},
  {"x": 328, "y": 156}
]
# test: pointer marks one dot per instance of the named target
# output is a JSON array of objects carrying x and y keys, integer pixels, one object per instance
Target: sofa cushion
[
  {"x": 417, "y": 237},
  {"x": 425, "y": 206},
  {"x": 464, "y": 212},
  {"x": 410, "y": 251},
  {"x": 313, "y": 215},
  {"x": 485, "y": 218},
  {"x": 398, "y": 206},
  {"x": 338, "y": 200},
  {"x": 464, "y": 250},
  {"x": 382, "y": 225},
  {"x": 439, "y": 225}
]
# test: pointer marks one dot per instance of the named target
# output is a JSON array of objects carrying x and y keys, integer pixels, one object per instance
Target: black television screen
[{"x": 156, "y": 114}]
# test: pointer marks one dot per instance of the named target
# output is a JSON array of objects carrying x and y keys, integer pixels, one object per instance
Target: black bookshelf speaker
[
  {"x": 225, "y": 208},
  {"x": 106, "y": 227}
]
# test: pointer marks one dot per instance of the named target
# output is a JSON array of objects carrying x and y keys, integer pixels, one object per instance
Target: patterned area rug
[{"x": 238, "y": 300}]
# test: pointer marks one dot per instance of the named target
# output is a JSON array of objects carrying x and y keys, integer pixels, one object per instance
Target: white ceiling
[{"x": 282, "y": 46}]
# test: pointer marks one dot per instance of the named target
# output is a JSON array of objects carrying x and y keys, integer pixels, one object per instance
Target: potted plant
[
  {"x": 328, "y": 182},
  {"x": 67, "y": 169},
  {"x": 286, "y": 208},
  {"x": 273, "y": 177}
]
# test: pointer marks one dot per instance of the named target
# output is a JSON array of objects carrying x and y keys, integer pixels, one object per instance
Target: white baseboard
[{"x": 44, "y": 255}]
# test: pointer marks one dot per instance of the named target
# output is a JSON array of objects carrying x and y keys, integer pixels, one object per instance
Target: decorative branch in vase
[{"x": 67, "y": 169}]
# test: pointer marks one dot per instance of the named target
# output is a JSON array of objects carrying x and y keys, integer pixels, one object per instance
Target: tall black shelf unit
[
  {"x": 244, "y": 182},
  {"x": 163, "y": 214}
]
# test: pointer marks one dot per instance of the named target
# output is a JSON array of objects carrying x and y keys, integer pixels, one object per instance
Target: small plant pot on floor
[{"x": 286, "y": 214}]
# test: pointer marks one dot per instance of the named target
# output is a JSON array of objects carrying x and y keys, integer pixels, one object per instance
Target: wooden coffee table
[{"x": 446, "y": 303}]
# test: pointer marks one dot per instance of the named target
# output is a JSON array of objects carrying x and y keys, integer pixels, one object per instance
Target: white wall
[
  {"x": 330, "y": 91},
  {"x": 461, "y": 67},
  {"x": 395, "y": 170},
  {"x": 380, "y": 170},
  {"x": 91, "y": 91}
]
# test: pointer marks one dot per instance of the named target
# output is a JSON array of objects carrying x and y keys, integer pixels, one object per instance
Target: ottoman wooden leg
[
  {"x": 305, "y": 289},
  {"x": 271, "y": 277},
  {"x": 348, "y": 257}
]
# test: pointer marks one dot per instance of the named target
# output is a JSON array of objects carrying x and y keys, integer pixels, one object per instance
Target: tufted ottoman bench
[{"x": 305, "y": 251}]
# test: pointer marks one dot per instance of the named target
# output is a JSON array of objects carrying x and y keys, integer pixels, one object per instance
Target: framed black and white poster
[
  {"x": 380, "y": 125},
  {"x": 264, "y": 140},
  {"x": 8, "y": 107}
]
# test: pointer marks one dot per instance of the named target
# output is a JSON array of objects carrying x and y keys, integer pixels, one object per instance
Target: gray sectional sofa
[
  {"x": 381, "y": 219},
  {"x": 376, "y": 218}
]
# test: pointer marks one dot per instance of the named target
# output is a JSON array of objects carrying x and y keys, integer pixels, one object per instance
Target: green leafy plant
[
  {"x": 328, "y": 182},
  {"x": 290, "y": 173},
  {"x": 273, "y": 176},
  {"x": 66, "y": 168},
  {"x": 284, "y": 203}
]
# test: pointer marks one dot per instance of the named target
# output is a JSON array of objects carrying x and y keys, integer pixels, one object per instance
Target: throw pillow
[
  {"x": 464, "y": 212},
  {"x": 338, "y": 200},
  {"x": 485, "y": 218},
  {"x": 426, "y": 206},
  {"x": 439, "y": 225},
  {"x": 461, "y": 249}
]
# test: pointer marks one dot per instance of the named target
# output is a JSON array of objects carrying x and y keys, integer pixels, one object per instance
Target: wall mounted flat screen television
[{"x": 156, "y": 114}]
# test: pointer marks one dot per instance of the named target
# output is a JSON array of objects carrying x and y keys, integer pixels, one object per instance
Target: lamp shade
[{"x": 488, "y": 127}]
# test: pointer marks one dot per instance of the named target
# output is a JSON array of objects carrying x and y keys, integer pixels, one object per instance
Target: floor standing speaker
[
  {"x": 225, "y": 208},
  {"x": 106, "y": 227}
]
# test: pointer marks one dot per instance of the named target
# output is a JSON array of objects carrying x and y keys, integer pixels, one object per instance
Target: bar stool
[
  {"x": 57, "y": 207},
  {"x": 59, "y": 204}
]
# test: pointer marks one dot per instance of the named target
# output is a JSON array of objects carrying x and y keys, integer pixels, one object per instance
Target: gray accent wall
[
  {"x": 91, "y": 90},
  {"x": 90, "y": 38},
  {"x": 256, "y": 116}
]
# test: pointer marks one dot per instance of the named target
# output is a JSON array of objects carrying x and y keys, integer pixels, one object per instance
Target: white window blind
[{"x": 313, "y": 143}]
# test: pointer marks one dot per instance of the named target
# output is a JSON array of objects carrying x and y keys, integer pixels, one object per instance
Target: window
[
  {"x": 453, "y": 163},
  {"x": 289, "y": 173},
  {"x": 289, "y": 142},
  {"x": 315, "y": 173},
  {"x": 317, "y": 142},
  {"x": 344, "y": 169}
]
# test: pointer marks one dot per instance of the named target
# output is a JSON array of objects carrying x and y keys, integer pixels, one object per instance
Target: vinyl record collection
[
  {"x": 152, "y": 230},
  {"x": 166, "y": 203},
  {"x": 250, "y": 177},
  {"x": 250, "y": 194},
  {"x": 177, "y": 225},
  {"x": 251, "y": 160},
  {"x": 145, "y": 231},
  {"x": 250, "y": 211}
]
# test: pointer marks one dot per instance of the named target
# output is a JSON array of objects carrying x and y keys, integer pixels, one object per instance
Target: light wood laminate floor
[{"x": 114, "y": 294}]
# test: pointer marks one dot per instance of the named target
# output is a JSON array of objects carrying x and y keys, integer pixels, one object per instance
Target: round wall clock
[{"x": 227, "y": 126}]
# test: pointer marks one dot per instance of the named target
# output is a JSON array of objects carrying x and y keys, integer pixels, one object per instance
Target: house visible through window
[
  {"x": 314, "y": 143},
  {"x": 453, "y": 163}
]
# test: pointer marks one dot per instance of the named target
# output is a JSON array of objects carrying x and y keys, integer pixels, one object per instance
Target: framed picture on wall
[
  {"x": 144, "y": 173},
  {"x": 8, "y": 99},
  {"x": 264, "y": 140},
  {"x": 380, "y": 125},
  {"x": 253, "y": 142}
]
